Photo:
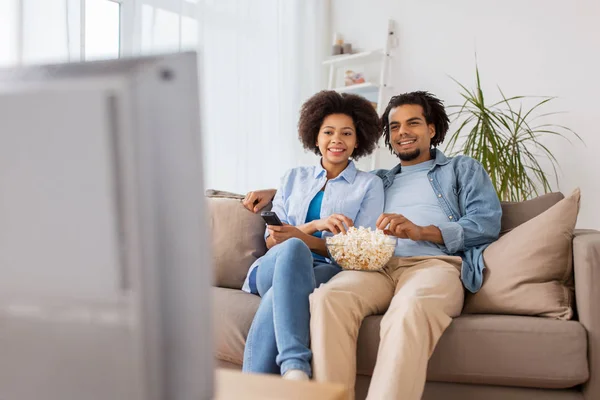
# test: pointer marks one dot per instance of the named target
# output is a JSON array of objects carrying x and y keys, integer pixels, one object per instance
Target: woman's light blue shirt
[{"x": 356, "y": 194}]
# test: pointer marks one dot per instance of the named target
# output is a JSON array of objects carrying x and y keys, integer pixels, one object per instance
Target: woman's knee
[
  {"x": 295, "y": 256},
  {"x": 294, "y": 264},
  {"x": 296, "y": 247}
]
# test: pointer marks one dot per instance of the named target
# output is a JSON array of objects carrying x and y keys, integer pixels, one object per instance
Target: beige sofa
[{"x": 478, "y": 357}]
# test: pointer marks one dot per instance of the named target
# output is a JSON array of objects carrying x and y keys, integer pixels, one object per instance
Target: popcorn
[{"x": 361, "y": 249}]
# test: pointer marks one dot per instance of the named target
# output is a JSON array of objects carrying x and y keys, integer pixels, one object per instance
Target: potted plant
[{"x": 506, "y": 137}]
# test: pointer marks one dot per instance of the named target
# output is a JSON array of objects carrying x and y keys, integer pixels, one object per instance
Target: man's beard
[{"x": 409, "y": 156}]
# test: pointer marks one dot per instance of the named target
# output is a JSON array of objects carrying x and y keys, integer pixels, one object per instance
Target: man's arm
[
  {"x": 398, "y": 225},
  {"x": 431, "y": 234},
  {"x": 480, "y": 223},
  {"x": 257, "y": 200}
]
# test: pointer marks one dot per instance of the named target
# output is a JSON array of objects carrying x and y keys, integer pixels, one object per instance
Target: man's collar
[{"x": 437, "y": 155}]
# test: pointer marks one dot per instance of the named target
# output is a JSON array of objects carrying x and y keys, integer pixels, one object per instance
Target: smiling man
[{"x": 445, "y": 212}]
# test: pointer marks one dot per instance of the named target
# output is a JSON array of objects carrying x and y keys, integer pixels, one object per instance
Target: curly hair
[
  {"x": 328, "y": 102},
  {"x": 433, "y": 110}
]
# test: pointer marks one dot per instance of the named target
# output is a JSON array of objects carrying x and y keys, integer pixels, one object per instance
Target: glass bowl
[{"x": 359, "y": 257}]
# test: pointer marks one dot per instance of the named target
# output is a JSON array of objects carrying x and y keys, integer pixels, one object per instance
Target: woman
[{"x": 329, "y": 197}]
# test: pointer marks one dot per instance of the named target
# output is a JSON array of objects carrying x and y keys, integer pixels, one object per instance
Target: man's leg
[
  {"x": 428, "y": 295},
  {"x": 337, "y": 311}
]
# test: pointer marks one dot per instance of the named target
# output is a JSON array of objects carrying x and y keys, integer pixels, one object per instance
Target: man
[{"x": 445, "y": 212}]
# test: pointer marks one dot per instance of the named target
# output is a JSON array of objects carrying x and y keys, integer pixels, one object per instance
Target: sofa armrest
[{"x": 586, "y": 258}]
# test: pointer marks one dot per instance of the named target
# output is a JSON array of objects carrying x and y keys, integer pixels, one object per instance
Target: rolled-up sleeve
[
  {"x": 480, "y": 223},
  {"x": 454, "y": 236}
]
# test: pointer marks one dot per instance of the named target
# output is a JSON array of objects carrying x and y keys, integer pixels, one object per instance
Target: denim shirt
[
  {"x": 356, "y": 194},
  {"x": 467, "y": 196}
]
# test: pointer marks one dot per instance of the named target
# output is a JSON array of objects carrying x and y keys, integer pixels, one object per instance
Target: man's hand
[
  {"x": 280, "y": 234},
  {"x": 397, "y": 225},
  {"x": 335, "y": 223},
  {"x": 257, "y": 200},
  {"x": 401, "y": 227}
]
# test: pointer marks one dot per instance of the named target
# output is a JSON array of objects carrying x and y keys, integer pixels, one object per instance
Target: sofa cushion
[
  {"x": 478, "y": 349},
  {"x": 498, "y": 350},
  {"x": 517, "y": 213},
  {"x": 233, "y": 312},
  {"x": 238, "y": 239},
  {"x": 529, "y": 271}
]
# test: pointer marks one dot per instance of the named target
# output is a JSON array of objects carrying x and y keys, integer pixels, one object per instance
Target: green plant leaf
[{"x": 504, "y": 139}]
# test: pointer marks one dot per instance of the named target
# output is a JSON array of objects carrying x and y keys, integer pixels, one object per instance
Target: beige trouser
[{"x": 420, "y": 294}]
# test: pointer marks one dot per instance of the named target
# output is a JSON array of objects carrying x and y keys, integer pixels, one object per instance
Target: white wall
[{"x": 532, "y": 47}]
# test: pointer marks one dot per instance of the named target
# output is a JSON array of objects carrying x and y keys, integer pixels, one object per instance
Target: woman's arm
[
  {"x": 279, "y": 234},
  {"x": 372, "y": 205},
  {"x": 316, "y": 245},
  {"x": 270, "y": 242},
  {"x": 278, "y": 206},
  {"x": 309, "y": 228}
]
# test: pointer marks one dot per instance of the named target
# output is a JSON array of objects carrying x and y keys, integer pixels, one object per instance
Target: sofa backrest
[
  {"x": 238, "y": 238},
  {"x": 238, "y": 234},
  {"x": 516, "y": 213}
]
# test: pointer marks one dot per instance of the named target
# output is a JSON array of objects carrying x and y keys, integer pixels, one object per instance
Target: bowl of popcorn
[{"x": 361, "y": 249}]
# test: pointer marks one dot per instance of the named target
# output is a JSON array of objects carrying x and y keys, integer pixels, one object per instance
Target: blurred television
[{"x": 104, "y": 253}]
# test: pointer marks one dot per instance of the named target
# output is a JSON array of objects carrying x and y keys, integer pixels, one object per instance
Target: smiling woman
[
  {"x": 352, "y": 119},
  {"x": 312, "y": 202}
]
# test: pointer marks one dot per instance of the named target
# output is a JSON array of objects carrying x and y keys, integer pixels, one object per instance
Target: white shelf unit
[
  {"x": 364, "y": 89},
  {"x": 345, "y": 58},
  {"x": 373, "y": 91}
]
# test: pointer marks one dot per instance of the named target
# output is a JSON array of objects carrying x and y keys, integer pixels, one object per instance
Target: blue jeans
[{"x": 278, "y": 339}]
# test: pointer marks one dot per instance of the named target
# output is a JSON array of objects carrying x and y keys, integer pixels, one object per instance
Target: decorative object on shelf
[
  {"x": 506, "y": 139},
  {"x": 347, "y": 48},
  {"x": 353, "y": 78},
  {"x": 339, "y": 47},
  {"x": 336, "y": 49}
]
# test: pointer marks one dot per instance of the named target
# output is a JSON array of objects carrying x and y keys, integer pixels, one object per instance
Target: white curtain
[{"x": 259, "y": 60}]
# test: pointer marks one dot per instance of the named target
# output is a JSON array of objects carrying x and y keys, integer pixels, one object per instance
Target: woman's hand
[
  {"x": 258, "y": 199},
  {"x": 335, "y": 223},
  {"x": 280, "y": 234}
]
